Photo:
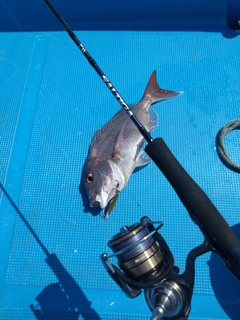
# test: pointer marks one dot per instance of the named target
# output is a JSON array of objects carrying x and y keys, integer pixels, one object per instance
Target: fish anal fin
[{"x": 154, "y": 93}]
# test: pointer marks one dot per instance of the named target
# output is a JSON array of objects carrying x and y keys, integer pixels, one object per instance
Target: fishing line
[
  {"x": 15, "y": 207},
  {"x": 132, "y": 246},
  {"x": 95, "y": 66},
  {"x": 12, "y": 15}
]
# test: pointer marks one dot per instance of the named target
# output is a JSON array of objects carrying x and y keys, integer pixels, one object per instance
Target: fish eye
[{"x": 89, "y": 178}]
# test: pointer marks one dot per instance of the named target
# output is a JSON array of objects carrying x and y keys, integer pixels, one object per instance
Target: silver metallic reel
[
  {"x": 166, "y": 300},
  {"x": 137, "y": 250},
  {"x": 146, "y": 262}
]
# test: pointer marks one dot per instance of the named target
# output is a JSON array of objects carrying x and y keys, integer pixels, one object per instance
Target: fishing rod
[
  {"x": 95, "y": 66},
  {"x": 220, "y": 237}
]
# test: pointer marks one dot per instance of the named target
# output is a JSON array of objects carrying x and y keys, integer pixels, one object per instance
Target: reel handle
[{"x": 201, "y": 210}]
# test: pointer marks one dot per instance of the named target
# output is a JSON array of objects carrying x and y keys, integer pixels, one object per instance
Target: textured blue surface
[{"x": 51, "y": 103}]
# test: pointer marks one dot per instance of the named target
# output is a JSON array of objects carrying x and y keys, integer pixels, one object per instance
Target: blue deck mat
[{"x": 51, "y": 103}]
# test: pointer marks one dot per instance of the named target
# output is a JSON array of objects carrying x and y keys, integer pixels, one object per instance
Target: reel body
[{"x": 146, "y": 263}]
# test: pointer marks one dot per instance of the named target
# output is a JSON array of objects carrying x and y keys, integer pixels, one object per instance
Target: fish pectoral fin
[{"x": 142, "y": 160}]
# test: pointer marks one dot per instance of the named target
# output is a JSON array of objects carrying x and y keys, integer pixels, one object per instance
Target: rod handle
[{"x": 202, "y": 211}]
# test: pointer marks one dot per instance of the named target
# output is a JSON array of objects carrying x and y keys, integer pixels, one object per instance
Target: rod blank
[{"x": 95, "y": 66}]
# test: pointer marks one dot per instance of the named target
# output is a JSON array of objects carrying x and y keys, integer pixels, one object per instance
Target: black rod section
[
  {"x": 200, "y": 208},
  {"x": 95, "y": 66}
]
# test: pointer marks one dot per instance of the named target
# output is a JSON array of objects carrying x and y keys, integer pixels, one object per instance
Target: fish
[{"x": 115, "y": 151}]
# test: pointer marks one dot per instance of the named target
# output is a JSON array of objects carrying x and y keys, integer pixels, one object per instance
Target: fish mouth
[
  {"x": 98, "y": 202},
  {"x": 103, "y": 200},
  {"x": 95, "y": 201},
  {"x": 95, "y": 204}
]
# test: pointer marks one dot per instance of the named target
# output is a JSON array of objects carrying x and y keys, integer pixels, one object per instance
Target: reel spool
[
  {"x": 137, "y": 251},
  {"x": 143, "y": 257}
]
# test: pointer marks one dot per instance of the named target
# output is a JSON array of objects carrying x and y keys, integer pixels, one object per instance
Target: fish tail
[{"x": 154, "y": 93}]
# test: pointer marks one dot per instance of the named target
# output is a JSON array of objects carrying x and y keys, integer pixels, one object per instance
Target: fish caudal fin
[{"x": 154, "y": 93}]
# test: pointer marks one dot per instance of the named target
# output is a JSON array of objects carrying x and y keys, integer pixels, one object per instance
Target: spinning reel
[{"x": 146, "y": 263}]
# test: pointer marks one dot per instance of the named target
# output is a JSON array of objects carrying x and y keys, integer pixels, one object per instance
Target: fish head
[{"x": 101, "y": 182}]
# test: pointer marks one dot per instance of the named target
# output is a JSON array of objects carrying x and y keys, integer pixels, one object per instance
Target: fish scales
[
  {"x": 105, "y": 137},
  {"x": 115, "y": 150}
]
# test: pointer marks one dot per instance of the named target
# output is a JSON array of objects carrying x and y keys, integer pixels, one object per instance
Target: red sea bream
[{"x": 116, "y": 149}]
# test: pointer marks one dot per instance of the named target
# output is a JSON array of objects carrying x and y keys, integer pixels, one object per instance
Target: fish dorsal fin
[
  {"x": 96, "y": 136},
  {"x": 101, "y": 131},
  {"x": 154, "y": 93}
]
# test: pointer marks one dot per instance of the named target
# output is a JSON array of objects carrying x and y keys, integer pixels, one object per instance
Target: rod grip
[{"x": 200, "y": 207}]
